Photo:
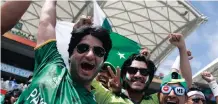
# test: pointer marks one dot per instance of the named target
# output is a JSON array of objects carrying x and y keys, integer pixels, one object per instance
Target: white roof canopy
[
  {"x": 211, "y": 67},
  {"x": 146, "y": 22}
]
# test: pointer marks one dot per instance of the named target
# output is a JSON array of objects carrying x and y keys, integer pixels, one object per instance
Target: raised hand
[
  {"x": 145, "y": 52},
  {"x": 83, "y": 21},
  {"x": 207, "y": 76},
  {"x": 114, "y": 82},
  {"x": 177, "y": 40}
]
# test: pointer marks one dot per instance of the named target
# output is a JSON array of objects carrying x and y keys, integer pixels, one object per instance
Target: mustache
[{"x": 137, "y": 79}]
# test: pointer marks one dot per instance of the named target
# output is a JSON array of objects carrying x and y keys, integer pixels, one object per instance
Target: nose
[
  {"x": 90, "y": 55},
  {"x": 172, "y": 93},
  {"x": 200, "y": 102},
  {"x": 138, "y": 74}
]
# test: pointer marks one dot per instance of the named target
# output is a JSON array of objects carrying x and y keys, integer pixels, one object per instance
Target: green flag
[{"x": 122, "y": 47}]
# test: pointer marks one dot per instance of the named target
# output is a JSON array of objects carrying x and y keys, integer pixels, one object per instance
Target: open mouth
[{"x": 87, "y": 66}]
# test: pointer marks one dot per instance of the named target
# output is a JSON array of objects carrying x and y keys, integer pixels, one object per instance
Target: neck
[
  {"x": 134, "y": 95},
  {"x": 87, "y": 85},
  {"x": 76, "y": 78}
]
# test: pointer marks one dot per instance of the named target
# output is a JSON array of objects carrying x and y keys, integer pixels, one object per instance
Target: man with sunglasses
[
  {"x": 173, "y": 89},
  {"x": 104, "y": 75},
  {"x": 136, "y": 73},
  {"x": 175, "y": 39},
  {"x": 52, "y": 82},
  {"x": 195, "y": 95}
]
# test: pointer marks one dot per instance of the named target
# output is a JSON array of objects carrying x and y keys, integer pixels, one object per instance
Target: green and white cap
[
  {"x": 174, "y": 77},
  {"x": 109, "y": 64}
]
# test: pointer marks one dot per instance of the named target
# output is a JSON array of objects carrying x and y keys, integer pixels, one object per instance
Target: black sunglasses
[
  {"x": 98, "y": 51},
  {"x": 134, "y": 70},
  {"x": 196, "y": 100}
]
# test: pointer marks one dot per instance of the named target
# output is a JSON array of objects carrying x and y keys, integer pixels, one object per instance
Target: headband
[{"x": 191, "y": 93}]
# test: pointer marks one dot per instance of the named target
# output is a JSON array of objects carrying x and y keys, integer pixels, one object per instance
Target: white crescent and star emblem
[{"x": 121, "y": 55}]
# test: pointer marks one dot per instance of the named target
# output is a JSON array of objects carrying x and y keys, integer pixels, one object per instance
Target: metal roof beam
[
  {"x": 135, "y": 34},
  {"x": 81, "y": 10},
  {"x": 191, "y": 26}
]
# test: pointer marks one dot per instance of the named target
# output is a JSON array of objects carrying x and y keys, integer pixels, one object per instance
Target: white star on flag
[{"x": 121, "y": 55}]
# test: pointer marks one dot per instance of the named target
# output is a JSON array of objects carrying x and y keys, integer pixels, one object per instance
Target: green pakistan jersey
[
  {"x": 104, "y": 96},
  {"x": 52, "y": 83}
]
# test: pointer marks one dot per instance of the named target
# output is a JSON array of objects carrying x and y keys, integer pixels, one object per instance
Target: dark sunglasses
[
  {"x": 98, "y": 51},
  {"x": 134, "y": 70},
  {"x": 196, "y": 100}
]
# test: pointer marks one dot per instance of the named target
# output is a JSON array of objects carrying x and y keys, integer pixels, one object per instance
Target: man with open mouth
[
  {"x": 173, "y": 89},
  {"x": 52, "y": 82}
]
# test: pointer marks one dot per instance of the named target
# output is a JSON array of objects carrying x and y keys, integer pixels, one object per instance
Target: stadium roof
[
  {"x": 212, "y": 67},
  {"x": 146, "y": 22}
]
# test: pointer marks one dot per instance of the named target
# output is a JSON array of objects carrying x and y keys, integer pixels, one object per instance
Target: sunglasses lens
[
  {"x": 81, "y": 48},
  {"x": 166, "y": 89},
  {"x": 195, "y": 100},
  {"x": 131, "y": 70},
  {"x": 99, "y": 51},
  {"x": 144, "y": 72},
  {"x": 179, "y": 91}
]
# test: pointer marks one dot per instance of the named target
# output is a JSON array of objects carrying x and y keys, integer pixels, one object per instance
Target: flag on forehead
[{"x": 122, "y": 47}]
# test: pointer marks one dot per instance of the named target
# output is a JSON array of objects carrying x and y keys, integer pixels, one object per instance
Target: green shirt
[
  {"x": 104, "y": 96},
  {"x": 52, "y": 83}
]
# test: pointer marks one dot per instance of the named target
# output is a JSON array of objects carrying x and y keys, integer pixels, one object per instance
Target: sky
[{"x": 203, "y": 42}]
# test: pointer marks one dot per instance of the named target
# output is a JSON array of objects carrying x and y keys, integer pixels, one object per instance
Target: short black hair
[
  {"x": 151, "y": 67},
  {"x": 100, "y": 33},
  {"x": 195, "y": 87}
]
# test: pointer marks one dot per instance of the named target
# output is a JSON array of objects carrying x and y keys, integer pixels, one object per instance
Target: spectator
[
  {"x": 207, "y": 76},
  {"x": 195, "y": 96},
  {"x": 2, "y": 83},
  {"x": 12, "y": 96},
  {"x": 14, "y": 84},
  {"x": 104, "y": 75},
  {"x": 137, "y": 73},
  {"x": 52, "y": 81},
  {"x": 173, "y": 89},
  {"x": 132, "y": 90}
]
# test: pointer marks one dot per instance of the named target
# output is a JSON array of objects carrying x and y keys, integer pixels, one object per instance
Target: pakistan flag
[{"x": 122, "y": 47}]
